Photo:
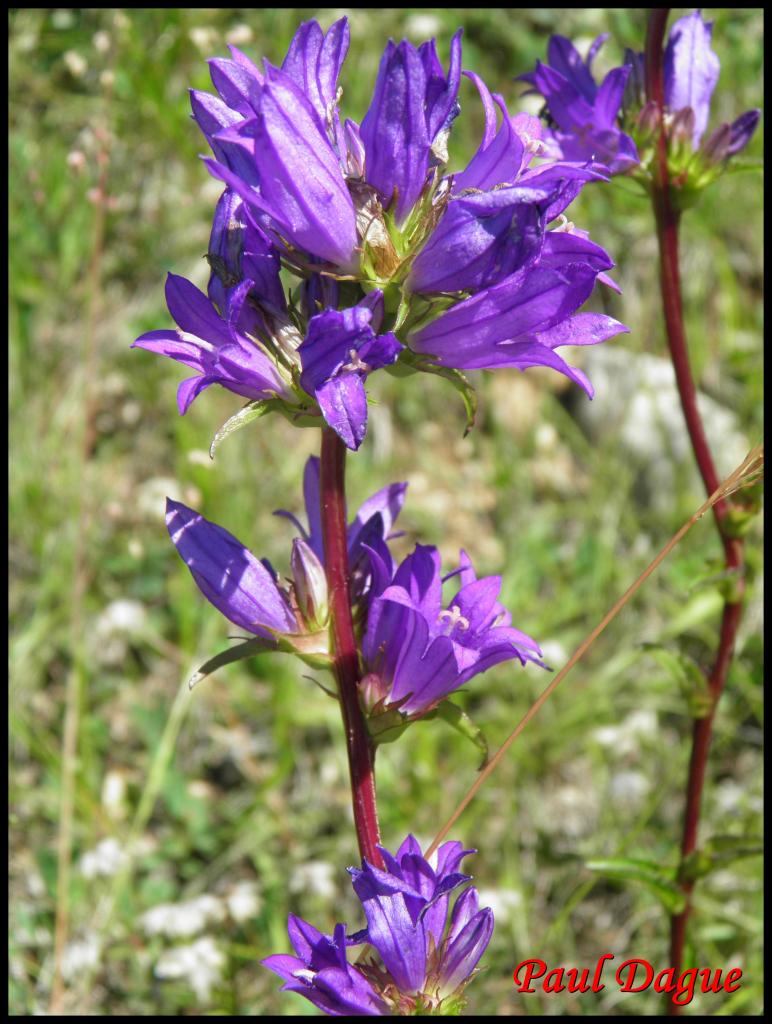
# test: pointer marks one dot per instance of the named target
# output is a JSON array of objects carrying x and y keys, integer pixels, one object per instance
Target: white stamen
[
  {"x": 564, "y": 224},
  {"x": 304, "y": 975},
  {"x": 453, "y": 617},
  {"x": 535, "y": 146},
  {"x": 356, "y": 363}
]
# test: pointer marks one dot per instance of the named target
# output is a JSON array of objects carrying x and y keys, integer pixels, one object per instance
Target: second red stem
[{"x": 667, "y": 219}]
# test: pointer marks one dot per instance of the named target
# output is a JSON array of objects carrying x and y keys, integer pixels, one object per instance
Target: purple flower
[
  {"x": 416, "y": 651},
  {"x": 585, "y": 115},
  {"x": 691, "y": 70},
  {"x": 410, "y": 113},
  {"x": 428, "y": 951},
  {"x": 229, "y": 575},
  {"x": 246, "y": 589},
  {"x": 238, "y": 249},
  {"x": 320, "y": 972},
  {"x": 497, "y": 208},
  {"x": 691, "y": 73},
  {"x": 367, "y": 533},
  {"x": 214, "y": 346},
  {"x": 339, "y": 350},
  {"x": 522, "y": 320}
]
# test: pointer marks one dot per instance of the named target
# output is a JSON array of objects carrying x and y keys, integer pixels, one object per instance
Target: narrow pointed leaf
[{"x": 648, "y": 873}]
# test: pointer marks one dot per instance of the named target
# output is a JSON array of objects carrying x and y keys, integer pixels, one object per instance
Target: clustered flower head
[
  {"x": 415, "y": 652},
  {"x": 391, "y": 257},
  {"x": 421, "y": 942},
  {"x": 594, "y": 121}
]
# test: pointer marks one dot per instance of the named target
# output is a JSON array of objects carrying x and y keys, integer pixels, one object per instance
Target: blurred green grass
[{"x": 256, "y": 789}]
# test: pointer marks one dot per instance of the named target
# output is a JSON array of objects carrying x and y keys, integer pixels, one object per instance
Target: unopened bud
[{"x": 310, "y": 584}]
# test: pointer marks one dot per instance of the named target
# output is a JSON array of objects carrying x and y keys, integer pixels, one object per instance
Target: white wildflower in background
[
  {"x": 200, "y": 964},
  {"x": 105, "y": 860},
  {"x": 627, "y": 789},
  {"x": 315, "y": 876},
  {"x": 80, "y": 957},
  {"x": 505, "y": 903},
  {"x": 116, "y": 624},
  {"x": 243, "y": 901},
  {"x": 624, "y": 739},
  {"x": 178, "y": 920}
]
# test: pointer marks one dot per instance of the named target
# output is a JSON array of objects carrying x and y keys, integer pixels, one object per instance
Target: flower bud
[{"x": 310, "y": 584}]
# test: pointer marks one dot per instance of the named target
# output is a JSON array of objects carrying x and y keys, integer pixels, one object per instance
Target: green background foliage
[{"x": 245, "y": 779}]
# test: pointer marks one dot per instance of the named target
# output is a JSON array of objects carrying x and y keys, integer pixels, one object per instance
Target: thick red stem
[
  {"x": 361, "y": 754},
  {"x": 670, "y": 284}
]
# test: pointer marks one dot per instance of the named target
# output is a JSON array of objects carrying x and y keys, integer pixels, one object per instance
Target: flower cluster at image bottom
[{"x": 421, "y": 944}]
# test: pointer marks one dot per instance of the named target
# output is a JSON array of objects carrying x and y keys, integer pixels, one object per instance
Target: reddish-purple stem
[
  {"x": 670, "y": 284},
  {"x": 361, "y": 754}
]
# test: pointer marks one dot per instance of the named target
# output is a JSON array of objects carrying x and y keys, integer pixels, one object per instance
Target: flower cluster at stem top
[{"x": 391, "y": 258}]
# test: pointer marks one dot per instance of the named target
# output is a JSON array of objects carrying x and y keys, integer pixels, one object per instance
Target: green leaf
[
  {"x": 463, "y": 724},
  {"x": 298, "y": 415},
  {"x": 718, "y": 853},
  {"x": 238, "y": 653},
  {"x": 687, "y": 676},
  {"x": 656, "y": 879}
]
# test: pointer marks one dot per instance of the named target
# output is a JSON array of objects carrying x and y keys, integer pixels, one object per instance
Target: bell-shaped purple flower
[
  {"x": 497, "y": 207},
  {"x": 410, "y": 112},
  {"x": 246, "y": 589},
  {"x": 368, "y": 532},
  {"x": 228, "y": 574},
  {"x": 691, "y": 70},
  {"x": 320, "y": 972},
  {"x": 339, "y": 350},
  {"x": 238, "y": 249},
  {"x": 296, "y": 184},
  {"x": 428, "y": 952},
  {"x": 213, "y": 346},
  {"x": 521, "y": 321},
  {"x": 420, "y": 651},
  {"x": 585, "y": 115}
]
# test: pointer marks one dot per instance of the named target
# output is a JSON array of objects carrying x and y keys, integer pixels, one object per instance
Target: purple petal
[
  {"x": 394, "y": 131},
  {"x": 239, "y": 87},
  {"x": 468, "y": 336},
  {"x": 691, "y": 69},
  {"x": 563, "y": 56},
  {"x": 742, "y": 131},
  {"x": 463, "y": 952},
  {"x": 343, "y": 402},
  {"x": 194, "y": 313},
  {"x": 189, "y": 389},
  {"x": 228, "y": 574}
]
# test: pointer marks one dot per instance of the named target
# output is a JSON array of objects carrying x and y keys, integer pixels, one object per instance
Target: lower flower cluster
[
  {"x": 415, "y": 651},
  {"x": 421, "y": 944}
]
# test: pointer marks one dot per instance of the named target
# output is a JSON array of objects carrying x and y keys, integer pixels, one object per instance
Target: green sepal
[
  {"x": 719, "y": 852},
  {"x": 656, "y": 879},
  {"x": 311, "y": 648},
  {"x": 386, "y": 727},
  {"x": 463, "y": 724}
]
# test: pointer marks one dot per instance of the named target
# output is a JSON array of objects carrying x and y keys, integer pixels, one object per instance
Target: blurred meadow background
[{"x": 198, "y": 821}]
